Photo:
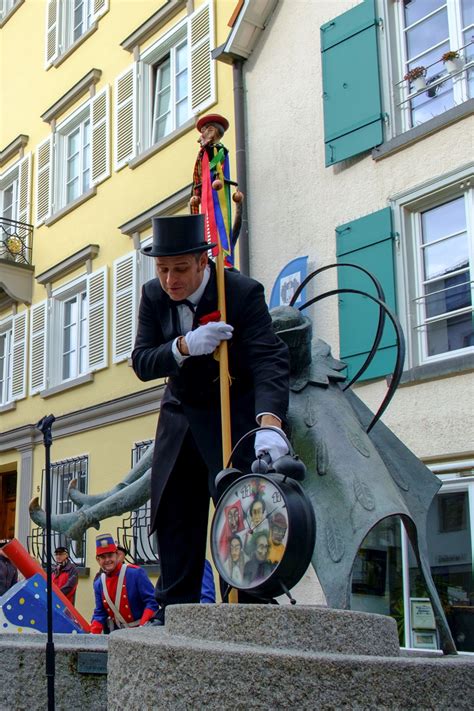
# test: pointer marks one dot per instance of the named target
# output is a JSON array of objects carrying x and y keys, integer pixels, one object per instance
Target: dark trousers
[{"x": 182, "y": 528}]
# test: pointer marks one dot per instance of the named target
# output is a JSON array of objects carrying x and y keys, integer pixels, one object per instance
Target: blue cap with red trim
[{"x": 105, "y": 544}]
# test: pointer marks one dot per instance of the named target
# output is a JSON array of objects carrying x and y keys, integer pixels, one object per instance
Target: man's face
[
  {"x": 278, "y": 533},
  {"x": 235, "y": 549},
  {"x": 233, "y": 519},
  {"x": 257, "y": 513},
  {"x": 107, "y": 561},
  {"x": 180, "y": 276},
  {"x": 261, "y": 549},
  {"x": 60, "y": 557}
]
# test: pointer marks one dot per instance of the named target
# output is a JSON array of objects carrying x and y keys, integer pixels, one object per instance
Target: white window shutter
[
  {"x": 200, "y": 44},
  {"x": 38, "y": 355},
  {"x": 100, "y": 7},
  {"x": 97, "y": 324},
  {"x": 44, "y": 180},
  {"x": 52, "y": 31},
  {"x": 124, "y": 305},
  {"x": 24, "y": 189},
  {"x": 100, "y": 144},
  {"x": 19, "y": 356},
  {"x": 125, "y": 116}
]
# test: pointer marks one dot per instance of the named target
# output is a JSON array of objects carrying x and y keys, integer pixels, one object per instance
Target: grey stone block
[
  {"x": 169, "y": 668},
  {"x": 23, "y": 684},
  {"x": 304, "y": 627}
]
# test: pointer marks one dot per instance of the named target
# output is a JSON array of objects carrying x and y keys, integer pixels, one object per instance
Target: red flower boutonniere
[{"x": 213, "y": 316}]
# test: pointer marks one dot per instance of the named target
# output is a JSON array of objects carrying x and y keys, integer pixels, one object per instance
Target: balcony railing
[{"x": 16, "y": 239}]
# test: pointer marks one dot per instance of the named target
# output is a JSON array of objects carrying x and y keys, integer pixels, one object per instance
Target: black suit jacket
[{"x": 258, "y": 365}]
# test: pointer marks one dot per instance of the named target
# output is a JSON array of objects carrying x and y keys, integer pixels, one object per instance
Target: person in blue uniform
[{"x": 123, "y": 592}]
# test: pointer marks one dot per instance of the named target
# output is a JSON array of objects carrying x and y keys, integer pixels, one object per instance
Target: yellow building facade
[{"x": 97, "y": 136}]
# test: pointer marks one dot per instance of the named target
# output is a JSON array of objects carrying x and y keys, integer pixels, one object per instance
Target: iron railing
[
  {"x": 16, "y": 239},
  {"x": 36, "y": 544}
]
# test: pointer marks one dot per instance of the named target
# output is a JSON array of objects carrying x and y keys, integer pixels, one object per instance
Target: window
[
  {"x": 367, "y": 51},
  {"x": 172, "y": 81},
  {"x": 13, "y": 358},
  {"x": 68, "y": 333},
  {"x": 74, "y": 336},
  {"x": 386, "y": 578},
  {"x": 170, "y": 100},
  {"x": 15, "y": 191},
  {"x": 437, "y": 226},
  {"x": 67, "y": 21},
  {"x": 5, "y": 366},
  {"x": 62, "y": 473},
  {"x": 77, "y": 161},
  {"x": 74, "y": 158},
  {"x": 425, "y": 32},
  {"x": 6, "y": 6}
]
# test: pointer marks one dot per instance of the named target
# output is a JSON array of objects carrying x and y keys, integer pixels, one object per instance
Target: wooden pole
[{"x": 223, "y": 365}]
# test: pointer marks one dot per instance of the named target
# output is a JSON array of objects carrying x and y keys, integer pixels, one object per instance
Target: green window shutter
[
  {"x": 353, "y": 120},
  {"x": 368, "y": 242}
]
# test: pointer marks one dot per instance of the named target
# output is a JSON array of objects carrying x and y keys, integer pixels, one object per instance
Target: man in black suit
[{"x": 171, "y": 343}]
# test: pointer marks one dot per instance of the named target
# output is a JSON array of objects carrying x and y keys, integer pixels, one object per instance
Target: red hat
[
  {"x": 212, "y": 118},
  {"x": 105, "y": 544}
]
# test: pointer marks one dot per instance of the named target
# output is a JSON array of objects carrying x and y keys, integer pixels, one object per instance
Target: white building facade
[{"x": 352, "y": 160}]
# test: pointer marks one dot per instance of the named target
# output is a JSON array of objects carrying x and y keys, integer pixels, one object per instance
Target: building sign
[{"x": 288, "y": 281}]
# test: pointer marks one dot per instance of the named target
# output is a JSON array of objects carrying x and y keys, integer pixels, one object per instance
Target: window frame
[
  {"x": 393, "y": 58},
  {"x": 10, "y": 177},
  {"x": 6, "y": 330},
  {"x": 55, "y": 335},
  {"x": 147, "y": 66},
  {"x": 406, "y": 210},
  {"x": 77, "y": 120}
]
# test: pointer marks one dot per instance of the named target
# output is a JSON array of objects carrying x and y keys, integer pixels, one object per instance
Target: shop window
[
  {"x": 452, "y": 510},
  {"x": 449, "y": 536}
]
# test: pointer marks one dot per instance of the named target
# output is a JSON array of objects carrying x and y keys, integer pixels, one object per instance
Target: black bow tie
[{"x": 186, "y": 302}]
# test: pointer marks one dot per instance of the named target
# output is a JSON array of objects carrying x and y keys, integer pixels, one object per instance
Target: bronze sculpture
[{"x": 359, "y": 473}]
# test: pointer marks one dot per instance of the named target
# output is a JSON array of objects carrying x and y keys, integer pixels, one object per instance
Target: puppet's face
[{"x": 209, "y": 135}]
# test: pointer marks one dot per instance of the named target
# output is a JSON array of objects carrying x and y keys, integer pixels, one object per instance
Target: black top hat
[{"x": 182, "y": 234}]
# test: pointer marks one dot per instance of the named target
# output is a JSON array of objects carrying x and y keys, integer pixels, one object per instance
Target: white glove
[
  {"x": 205, "y": 339},
  {"x": 270, "y": 441}
]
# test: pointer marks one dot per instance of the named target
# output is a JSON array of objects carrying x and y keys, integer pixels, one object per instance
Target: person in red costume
[
  {"x": 65, "y": 573},
  {"x": 123, "y": 592}
]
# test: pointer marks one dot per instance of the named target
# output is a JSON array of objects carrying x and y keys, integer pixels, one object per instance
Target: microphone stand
[{"x": 45, "y": 426}]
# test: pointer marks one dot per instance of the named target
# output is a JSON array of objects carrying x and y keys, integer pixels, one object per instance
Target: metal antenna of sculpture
[{"x": 358, "y": 472}]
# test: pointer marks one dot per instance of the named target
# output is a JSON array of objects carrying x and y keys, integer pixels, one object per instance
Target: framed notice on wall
[{"x": 422, "y": 617}]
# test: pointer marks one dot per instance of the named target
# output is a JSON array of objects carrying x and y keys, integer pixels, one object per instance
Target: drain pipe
[{"x": 241, "y": 161}]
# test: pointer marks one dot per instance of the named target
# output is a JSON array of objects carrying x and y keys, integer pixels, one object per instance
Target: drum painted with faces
[{"x": 263, "y": 534}]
